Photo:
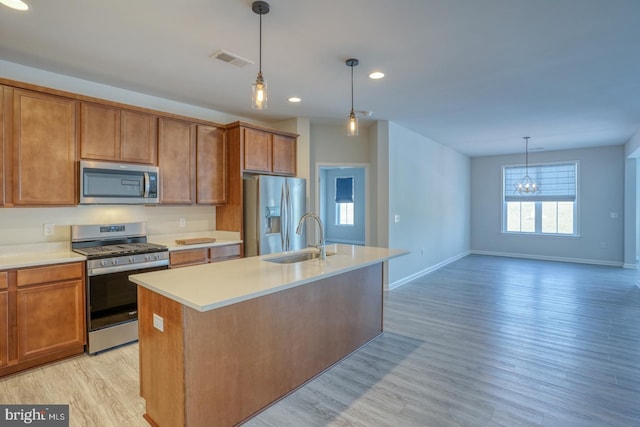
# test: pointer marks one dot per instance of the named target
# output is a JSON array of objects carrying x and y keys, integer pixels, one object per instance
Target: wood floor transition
[{"x": 484, "y": 341}]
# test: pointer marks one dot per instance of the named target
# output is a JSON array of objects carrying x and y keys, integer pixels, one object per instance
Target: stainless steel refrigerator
[{"x": 273, "y": 205}]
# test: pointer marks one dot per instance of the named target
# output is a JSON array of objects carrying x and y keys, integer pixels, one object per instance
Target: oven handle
[{"x": 98, "y": 271}]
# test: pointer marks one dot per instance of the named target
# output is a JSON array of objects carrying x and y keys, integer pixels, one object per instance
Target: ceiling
[{"x": 473, "y": 75}]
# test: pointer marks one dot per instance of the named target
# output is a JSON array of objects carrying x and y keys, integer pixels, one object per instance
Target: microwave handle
[{"x": 146, "y": 184}]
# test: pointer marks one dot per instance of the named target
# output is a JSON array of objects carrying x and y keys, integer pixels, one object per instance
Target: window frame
[
  {"x": 339, "y": 204},
  {"x": 538, "y": 204}
]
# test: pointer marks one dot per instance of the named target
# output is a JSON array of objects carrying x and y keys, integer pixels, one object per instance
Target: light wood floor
[{"x": 484, "y": 341}]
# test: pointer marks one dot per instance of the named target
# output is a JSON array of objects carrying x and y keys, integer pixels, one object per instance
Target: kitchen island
[{"x": 220, "y": 342}]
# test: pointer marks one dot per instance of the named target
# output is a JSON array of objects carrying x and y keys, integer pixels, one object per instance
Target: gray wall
[
  {"x": 429, "y": 189},
  {"x": 600, "y": 192}
]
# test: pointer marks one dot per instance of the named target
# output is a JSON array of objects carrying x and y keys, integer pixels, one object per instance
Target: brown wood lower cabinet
[
  {"x": 4, "y": 319},
  {"x": 220, "y": 367},
  {"x": 44, "y": 308},
  {"x": 187, "y": 257}
]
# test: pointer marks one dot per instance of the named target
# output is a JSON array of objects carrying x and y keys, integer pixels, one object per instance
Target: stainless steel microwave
[{"x": 118, "y": 183}]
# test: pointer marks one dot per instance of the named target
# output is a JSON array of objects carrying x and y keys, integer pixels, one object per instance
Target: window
[
  {"x": 552, "y": 211},
  {"x": 344, "y": 201}
]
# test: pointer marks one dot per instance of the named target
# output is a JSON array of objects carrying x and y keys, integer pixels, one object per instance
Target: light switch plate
[{"x": 158, "y": 322}]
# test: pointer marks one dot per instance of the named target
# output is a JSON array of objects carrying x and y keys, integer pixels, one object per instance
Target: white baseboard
[
  {"x": 550, "y": 258},
  {"x": 428, "y": 270}
]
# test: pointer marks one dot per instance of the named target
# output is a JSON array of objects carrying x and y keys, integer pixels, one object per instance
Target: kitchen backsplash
[{"x": 27, "y": 225}]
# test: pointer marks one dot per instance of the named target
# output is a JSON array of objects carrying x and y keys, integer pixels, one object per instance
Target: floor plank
[{"x": 484, "y": 341}]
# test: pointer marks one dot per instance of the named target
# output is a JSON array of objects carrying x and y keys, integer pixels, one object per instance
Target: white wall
[
  {"x": 330, "y": 145},
  {"x": 26, "y": 225},
  {"x": 600, "y": 191},
  {"x": 429, "y": 189}
]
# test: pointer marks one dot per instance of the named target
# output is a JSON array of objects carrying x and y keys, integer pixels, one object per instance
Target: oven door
[{"x": 112, "y": 299}]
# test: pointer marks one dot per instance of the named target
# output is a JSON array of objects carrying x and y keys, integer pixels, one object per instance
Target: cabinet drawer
[
  {"x": 4, "y": 280},
  {"x": 51, "y": 273},
  {"x": 188, "y": 257},
  {"x": 228, "y": 251}
]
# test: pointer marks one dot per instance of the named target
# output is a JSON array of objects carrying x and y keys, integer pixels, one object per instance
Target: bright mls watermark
[{"x": 34, "y": 415}]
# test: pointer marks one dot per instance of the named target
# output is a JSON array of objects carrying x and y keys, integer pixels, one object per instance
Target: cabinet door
[
  {"x": 224, "y": 253},
  {"x": 4, "y": 319},
  {"x": 138, "y": 142},
  {"x": 3, "y": 126},
  {"x": 50, "y": 318},
  {"x": 44, "y": 149},
  {"x": 211, "y": 165},
  {"x": 99, "y": 132},
  {"x": 188, "y": 257},
  {"x": 257, "y": 150},
  {"x": 284, "y": 155},
  {"x": 176, "y": 159}
]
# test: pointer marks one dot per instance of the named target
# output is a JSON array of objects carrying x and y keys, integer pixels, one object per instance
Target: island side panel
[
  {"x": 241, "y": 358},
  {"x": 161, "y": 359}
]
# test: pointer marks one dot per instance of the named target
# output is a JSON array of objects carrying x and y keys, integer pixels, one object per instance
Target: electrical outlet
[
  {"x": 396, "y": 218},
  {"x": 49, "y": 229},
  {"x": 183, "y": 222},
  {"x": 158, "y": 322}
]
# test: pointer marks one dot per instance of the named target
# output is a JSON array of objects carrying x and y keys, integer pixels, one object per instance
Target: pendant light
[
  {"x": 352, "y": 130},
  {"x": 527, "y": 186},
  {"x": 259, "y": 88}
]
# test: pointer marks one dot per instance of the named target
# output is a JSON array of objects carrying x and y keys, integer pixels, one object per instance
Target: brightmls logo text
[{"x": 34, "y": 415}]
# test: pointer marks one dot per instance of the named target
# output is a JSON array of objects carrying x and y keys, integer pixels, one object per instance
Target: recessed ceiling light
[
  {"x": 294, "y": 99},
  {"x": 15, "y": 4},
  {"x": 376, "y": 75}
]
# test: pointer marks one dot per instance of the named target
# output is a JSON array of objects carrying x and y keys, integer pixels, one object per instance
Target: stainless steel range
[{"x": 114, "y": 251}]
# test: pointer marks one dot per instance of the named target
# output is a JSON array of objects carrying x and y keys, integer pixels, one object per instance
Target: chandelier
[{"x": 526, "y": 186}]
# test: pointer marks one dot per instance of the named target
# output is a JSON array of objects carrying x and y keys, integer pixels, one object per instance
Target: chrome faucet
[{"x": 320, "y": 246}]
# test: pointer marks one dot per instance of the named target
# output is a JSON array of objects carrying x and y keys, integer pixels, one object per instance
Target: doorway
[{"x": 342, "y": 199}]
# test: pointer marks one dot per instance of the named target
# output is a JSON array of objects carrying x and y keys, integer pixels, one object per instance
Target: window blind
[
  {"x": 344, "y": 190},
  {"x": 557, "y": 182}
]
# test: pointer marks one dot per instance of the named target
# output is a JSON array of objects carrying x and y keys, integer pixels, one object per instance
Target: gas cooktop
[{"x": 93, "y": 252}]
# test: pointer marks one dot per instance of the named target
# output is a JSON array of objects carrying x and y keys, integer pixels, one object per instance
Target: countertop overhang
[{"x": 210, "y": 286}]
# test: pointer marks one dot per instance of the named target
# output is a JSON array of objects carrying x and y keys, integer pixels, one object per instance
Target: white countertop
[
  {"x": 209, "y": 286},
  {"x": 169, "y": 240},
  {"x": 19, "y": 256}
]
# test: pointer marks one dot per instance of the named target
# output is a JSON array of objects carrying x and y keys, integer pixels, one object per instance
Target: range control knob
[
  {"x": 103, "y": 262},
  {"x": 114, "y": 261},
  {"x": 131, "y": 259}
]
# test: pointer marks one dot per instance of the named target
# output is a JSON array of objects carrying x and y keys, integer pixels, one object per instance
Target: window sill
[{"x": 520, "y": 234}]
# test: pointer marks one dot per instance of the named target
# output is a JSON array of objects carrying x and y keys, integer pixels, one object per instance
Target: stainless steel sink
[{"x": 296, "y": 257}]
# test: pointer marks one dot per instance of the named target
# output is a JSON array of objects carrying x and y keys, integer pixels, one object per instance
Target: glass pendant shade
[
  {"x": 259, "y": 98},
  {"x": 353, "y": 124},
  {"x": 352, "y": 129},
  {"x": 259, "y": 88}
]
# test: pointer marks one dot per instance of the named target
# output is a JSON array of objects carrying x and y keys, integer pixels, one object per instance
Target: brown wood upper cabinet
[
  {"x": 268, "y": 152},
  {"x": 192, "y": 161},
  {"x": 211, "y": 165},
  {"x": 115, "y": 134},
  {"x": 177, "y": 161},
  {"x": 44, "y": 148}
]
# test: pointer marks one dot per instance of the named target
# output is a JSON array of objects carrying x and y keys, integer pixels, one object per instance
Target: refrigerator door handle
[
  {"x": 283, "y": 217},
  {"x": 290, "y": 224}
]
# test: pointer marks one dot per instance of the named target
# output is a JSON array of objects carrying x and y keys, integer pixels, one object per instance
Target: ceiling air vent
[{"x": 231, "y": 58}]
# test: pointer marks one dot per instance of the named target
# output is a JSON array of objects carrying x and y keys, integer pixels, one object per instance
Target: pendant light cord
[
  {"x": 260, "y": 50},
  {"x": 352, "y": 88}
]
